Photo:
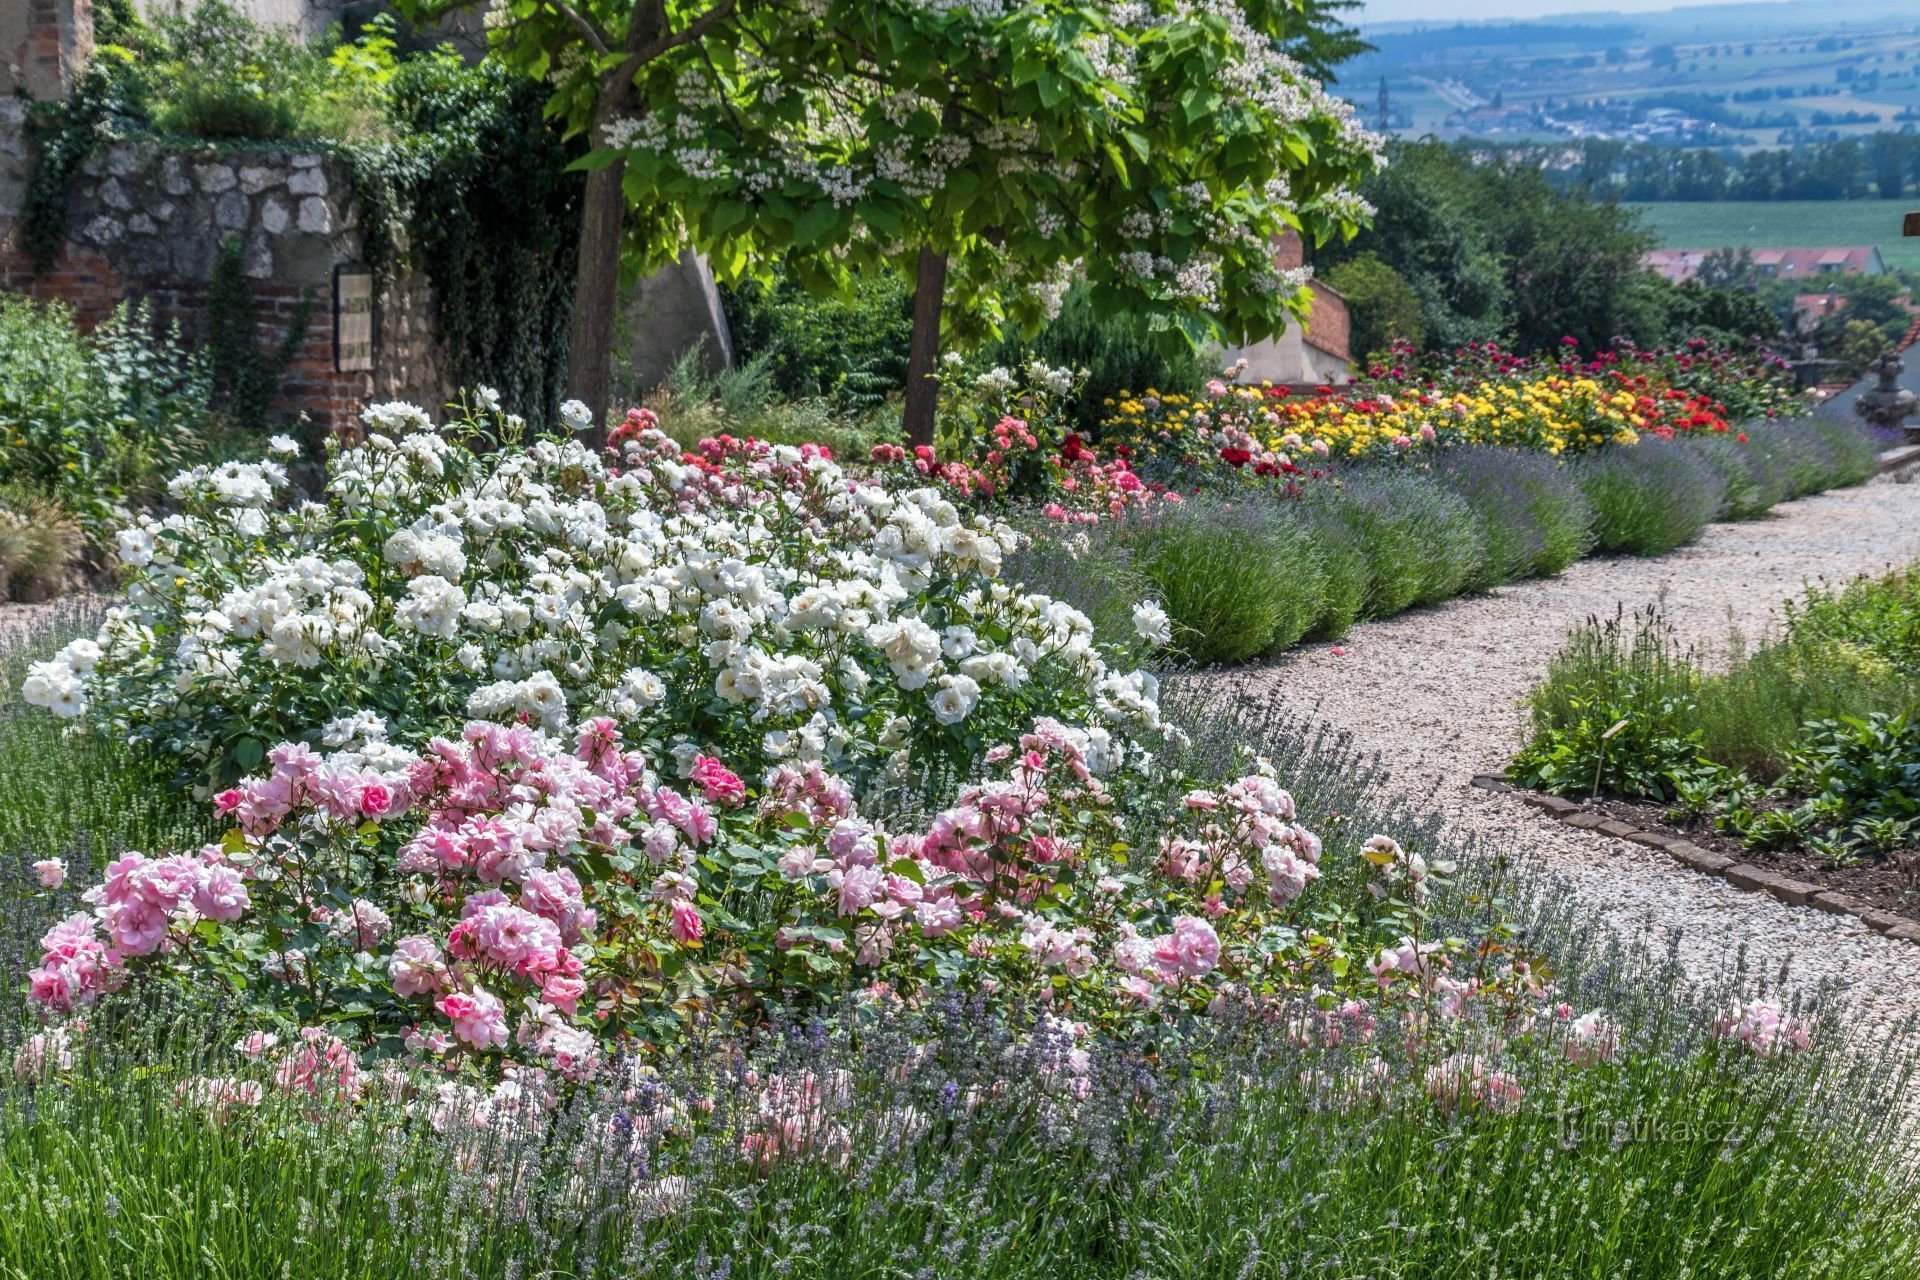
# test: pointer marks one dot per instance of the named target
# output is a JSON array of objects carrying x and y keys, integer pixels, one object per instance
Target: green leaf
[
  {"x": 815, "y": 222},
  {"x": 249, "y": 752}
]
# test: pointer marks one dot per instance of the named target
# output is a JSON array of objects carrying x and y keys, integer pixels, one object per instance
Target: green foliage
[
  {"x": 1821, "y": 715},
  {"x": 694, "y": 404},
  {"x": 1424, "y": 229},
  {"x": 849, "y": 347},
  {"x": 1866, "y": 769},
  {"x": 1649, "y": 499},
  {"x": 215, "y": 73},
  {"x": 1422, "y": 542},
  {"x": 1878, "y": 614},
  {"x": 1237, "y": 579},
  {"x": 1492, "y": 247},
  {"x": 1855, "y": 344},
  {"x": 78, "y": 795},
  {"x": 471, "y": 188},
  {"x": 1119, "y": 351},
  {"x": 1535, "y": 519},
  {"x": 1614, "y": 714},
  {"x": 1383, "y": 306},
  {"x": 97, "y": 419},
  {"x": 1722, "y": 315},
  {"x": 999, "y": 145},
  {"x": 107, "y": 101},
  {"x": 246, "y": 376}
]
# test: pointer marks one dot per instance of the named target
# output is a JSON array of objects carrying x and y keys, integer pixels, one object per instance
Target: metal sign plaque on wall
[{"x": 352, "y": 318}]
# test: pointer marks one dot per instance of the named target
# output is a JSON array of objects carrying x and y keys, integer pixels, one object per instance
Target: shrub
[
  {"x": 1615, "y": 713},
  {"x": 1117, "y": 351},
  {"x": 1534, "y": 517},
  {"x": 1346, "y": 580},
  {"x": 1422, "y": 543},
  {"x": 1077, "y": 1156},
  {"x": 369, "y": 603},
  {"x": 215, "y": 73},
  {"x": 1853, "y": 450},
  {"x": 1237, "y": 580},
  {"x": 1752, "y": 716},
  {"x": 95, "y": 420},
  {"x": 1754, "y": 483},
  {"x": 1383, "y": 305},
  {"x": 1082, "y": 1152},
  {"x": 40, "y": 545},
  {"x": 850, "y": 348},
  {"x": 1651, "y": 498},
  {"x": 1882, "y": 614}
]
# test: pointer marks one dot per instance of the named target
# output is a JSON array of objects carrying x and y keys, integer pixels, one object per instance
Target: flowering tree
[{"x": 1156, "y": 147}]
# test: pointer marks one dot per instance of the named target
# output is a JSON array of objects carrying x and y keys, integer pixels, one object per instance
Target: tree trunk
[
  {"x": 923, "y": 355},
  {"x": 596, "y": 292},
  {"x": 603, "y": 219}
]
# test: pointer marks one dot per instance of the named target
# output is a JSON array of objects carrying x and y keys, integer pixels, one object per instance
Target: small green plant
[
  {"x": 1236, "y": 579},
  {"x": 96, "y": 420},
  {"x": 1869, "y": 766},
  {"x": 1615, "y": 714}
]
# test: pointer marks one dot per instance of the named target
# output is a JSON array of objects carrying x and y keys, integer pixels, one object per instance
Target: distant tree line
[{"x": 1885, "y": 164}]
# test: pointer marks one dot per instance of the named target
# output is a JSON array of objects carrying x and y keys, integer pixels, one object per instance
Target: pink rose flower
[{"x": 688, "y": 927}]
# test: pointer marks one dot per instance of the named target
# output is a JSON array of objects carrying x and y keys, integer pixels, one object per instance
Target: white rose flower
[{"x": 1150, "y": 623}]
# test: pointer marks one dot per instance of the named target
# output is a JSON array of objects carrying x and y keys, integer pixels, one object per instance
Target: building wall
[
  {"x": 148, "y": 222},
  {"x": 1313, "y": 354},
  {"x": 42, "y": 43}
]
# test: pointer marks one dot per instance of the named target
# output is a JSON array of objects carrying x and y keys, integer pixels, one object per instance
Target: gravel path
[{"x": 1439, "y": 695}]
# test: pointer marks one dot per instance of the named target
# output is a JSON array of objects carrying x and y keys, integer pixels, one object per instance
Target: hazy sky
[{"x": 1448, "y": 10}]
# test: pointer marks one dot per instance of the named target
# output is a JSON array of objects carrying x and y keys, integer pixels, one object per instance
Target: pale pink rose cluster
[
  {"x": 299, "y": 779},
  {"x": 1764, "y": 1027},
  {"x": 144, "y": 904},
  {"x": 1470, "y": 1079},
  {"x": 143, "y": 898},
  {"x": 76, "y": 967},
  {"x": 1248, "y": 832}
]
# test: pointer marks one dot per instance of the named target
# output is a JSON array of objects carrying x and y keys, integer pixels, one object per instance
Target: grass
[{"x": 1782, "y": 224}]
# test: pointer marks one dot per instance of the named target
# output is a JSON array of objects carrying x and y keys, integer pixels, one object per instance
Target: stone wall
[{"x": 147, "y": 222}]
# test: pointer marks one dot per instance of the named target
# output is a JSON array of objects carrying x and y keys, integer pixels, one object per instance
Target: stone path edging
[{"x": 1741, "y": 875}]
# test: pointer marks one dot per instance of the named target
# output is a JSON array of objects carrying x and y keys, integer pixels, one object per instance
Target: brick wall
[
  {"x": 146, "y": 222},
  {"x": 1329, "y": 326}
]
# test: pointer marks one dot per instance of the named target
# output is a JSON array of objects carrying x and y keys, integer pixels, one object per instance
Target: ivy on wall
[
  {"x": 106, "y": 102},
  {"x": 472, "y": 188}
]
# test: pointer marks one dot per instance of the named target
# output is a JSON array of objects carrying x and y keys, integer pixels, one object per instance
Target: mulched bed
[{"x": 1877, "y": 881}]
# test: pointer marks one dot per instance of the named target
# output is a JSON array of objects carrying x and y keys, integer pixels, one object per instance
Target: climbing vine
[
  {"x": 472, "y": 188},
  {"x": 107, "y": 102}
]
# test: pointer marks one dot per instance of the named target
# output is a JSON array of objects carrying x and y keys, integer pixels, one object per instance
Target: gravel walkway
[{"x": 1439, "y": 693}]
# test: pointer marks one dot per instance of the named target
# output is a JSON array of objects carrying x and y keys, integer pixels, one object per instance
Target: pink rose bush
[{"x": 509, "y": 896}]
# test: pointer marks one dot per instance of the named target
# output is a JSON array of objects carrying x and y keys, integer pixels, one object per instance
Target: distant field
[{"x": 1781, "y": 224}]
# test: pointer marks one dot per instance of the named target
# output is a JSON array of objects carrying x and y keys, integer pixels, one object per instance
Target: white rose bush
[{"x": 751, "y": 599}]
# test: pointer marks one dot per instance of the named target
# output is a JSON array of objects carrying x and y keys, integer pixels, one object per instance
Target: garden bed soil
[{"x": 1877, "y": 881}]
